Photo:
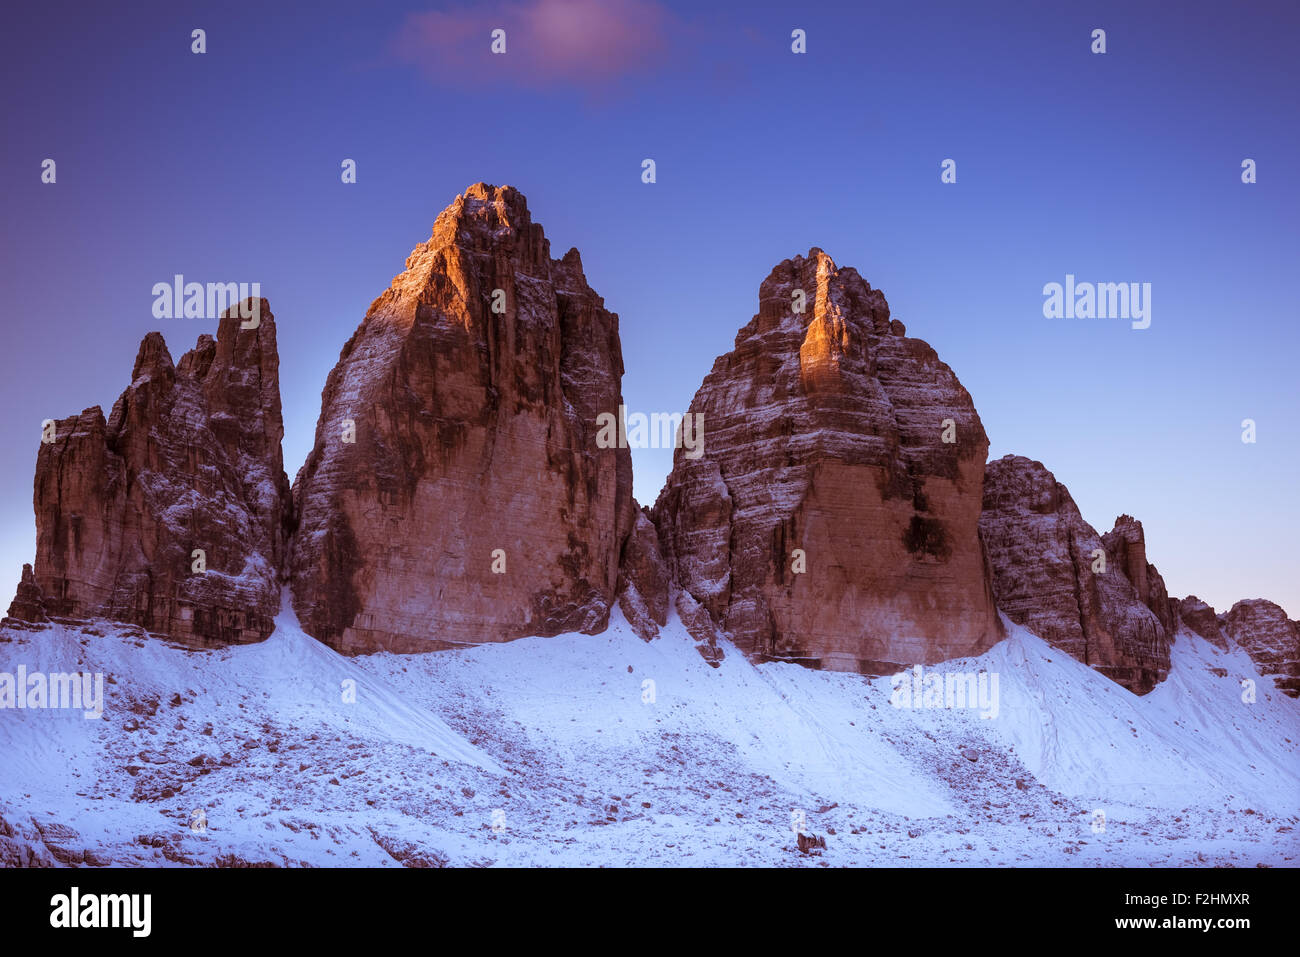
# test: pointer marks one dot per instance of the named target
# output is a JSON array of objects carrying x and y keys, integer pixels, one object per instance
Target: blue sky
[{"x": 1123, "y": 167}]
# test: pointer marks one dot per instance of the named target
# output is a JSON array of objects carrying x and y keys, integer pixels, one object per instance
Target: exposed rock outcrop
[
  {"x": 831, "y": 518},
  {"x": 171, "y": 514},
  {"x": 28, "y": 606},
  {"x": 1270, "y": 638},
  {"x": 643, "y": 582},
  {"x": 1126, "y": 548},
  {"x": 456, "y": 492},
  {"x": 1201, "y": 618},
  {"x": 699, "y": 624},
  {"x": 1098, "y": 601}
]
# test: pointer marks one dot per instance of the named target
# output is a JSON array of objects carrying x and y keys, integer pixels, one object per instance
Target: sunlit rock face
[
  {"x": 456, "y": 492},
  {"x": 832, "y": 517}
]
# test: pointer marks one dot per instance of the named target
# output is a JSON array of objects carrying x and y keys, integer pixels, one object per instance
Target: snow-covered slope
[
  {"x": 605, "y": 749},
  {"x": 1194, "y": 739}
]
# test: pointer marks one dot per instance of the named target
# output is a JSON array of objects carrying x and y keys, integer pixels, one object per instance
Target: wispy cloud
[{"x": 575, "y": 43}]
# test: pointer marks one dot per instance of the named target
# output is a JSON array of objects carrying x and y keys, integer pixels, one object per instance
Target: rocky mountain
[
  {"x": 1269, "y": 637},
  {"x": 834, "y": 508},
  {"x": 171, "y": 513},
  {"x": 832, "y": 515},
  {"x": 1200, "y": 618},
  {"x": 457, "y": 492},
  {"x": 1095, "y": 598},
  {"x": 1126, "y": 549}
]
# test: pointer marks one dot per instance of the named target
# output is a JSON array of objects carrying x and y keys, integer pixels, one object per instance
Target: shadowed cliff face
[
  {"x": 456, "y": 492},
  {"x": 1096, "y": 598},
  {"x": 189, "y": 459},
  {"x": 828, "y": 521},
  {"x": 1199, "y": 617}
]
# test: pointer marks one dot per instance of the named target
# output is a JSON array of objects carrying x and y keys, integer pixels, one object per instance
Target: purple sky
[{"x": 1122, "y": 167}]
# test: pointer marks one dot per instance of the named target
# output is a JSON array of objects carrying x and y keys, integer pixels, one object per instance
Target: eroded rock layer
[
  {"x": 1199, "y": 617},
  {"x": 832, "y": 517},
  {"x": 1096, "y": 599},
  {"x": 171, "y": 513},
  {"x": 1270, "y": 638}
]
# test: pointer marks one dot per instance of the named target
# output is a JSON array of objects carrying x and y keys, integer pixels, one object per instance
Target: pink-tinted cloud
[{"x": 548, "y": 42}]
